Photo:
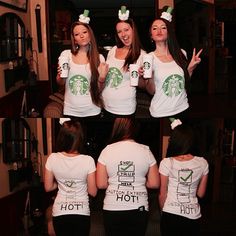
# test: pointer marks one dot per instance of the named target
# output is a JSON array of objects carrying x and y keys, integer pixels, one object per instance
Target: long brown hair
[
  {"x": 175, "y": 49},
  {"x": 123, "y": 128},
  {"x": 94, "y": 61},
  {"x": 70, "y": 138},
  {"x": 135, "y": 49}
]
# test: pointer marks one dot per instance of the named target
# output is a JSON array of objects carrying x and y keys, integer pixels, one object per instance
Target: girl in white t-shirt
[
  {"x": 171, "y": 71},
  {"x": 87, "y": 69},
  {"x": 183, "y": 180},
  {"x": 126, "y": 169},
  {"x": 118, "y": 95},
  {"x": 73, "y": 174}
]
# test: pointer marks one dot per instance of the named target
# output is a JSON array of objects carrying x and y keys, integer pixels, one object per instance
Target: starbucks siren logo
[
  {"x": 134, "y": 74},
  {"x": 146, "y": 65},
  {"x": 79, "y": 84},
  {"x": 114, "y": 76},
  {"x": 173, "y": 85}
]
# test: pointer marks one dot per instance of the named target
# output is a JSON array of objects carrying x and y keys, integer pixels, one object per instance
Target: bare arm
[
  {"x": 163, "y": 190},
  {"x": 91, "y": 181},
  {"x": 50, "y": 183},
  {"x": 153, "y": 179},
  {"x": 202, "y": 186},
  {"x": 101, "y": 176}
]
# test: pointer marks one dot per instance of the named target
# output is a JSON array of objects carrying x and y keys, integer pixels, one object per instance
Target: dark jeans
[
  {"x": 176, "y": 225},
  {"x": 131, "y": 222},
  {"x": 71, "y": 225}
]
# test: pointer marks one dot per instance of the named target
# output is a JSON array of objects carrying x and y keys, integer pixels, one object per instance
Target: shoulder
[
  {"x": 101, "y": 57},
  {"x": 112, "y": 52},
  {"x": 184, "y": 52},
  {"x": 66, "y": 53}
]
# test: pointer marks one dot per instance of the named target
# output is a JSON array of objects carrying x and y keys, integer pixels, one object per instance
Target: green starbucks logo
[
  {"x": 134, "y": 74},
  {"x": 146, "y": 65},
  {"x": 79, "y": 84},
  {"x": 173, "y": 85},
  {"x": 114, "y": 77}
]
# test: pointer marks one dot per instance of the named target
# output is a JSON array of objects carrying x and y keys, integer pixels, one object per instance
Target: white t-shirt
[
  {"x": 183, "y": 180},
  {"x": 118, "y": 95},
  {"x": 71, "y": 175},
  {"x": 170, "y": 97},
  {"x": 127, "y": 164},
  {"x": 78, "y": 101}
]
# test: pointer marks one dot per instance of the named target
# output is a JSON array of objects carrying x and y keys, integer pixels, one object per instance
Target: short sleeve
[
  {"x": 101, "y": 57},
  {"x": 65, "y": 53},
  {"x": 206, "y": 167},
  {"x": 48, "y": 164},
  {"x": 184, "y": 52},
  {"x": 151, "y": 158},
  {"x": 111, "y": 53},
  {"x": 102, "y": 156},
  {"x": 91, "y": 165},
  {"x": 164, "y": 167}
]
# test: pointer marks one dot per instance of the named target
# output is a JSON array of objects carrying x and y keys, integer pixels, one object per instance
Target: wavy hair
[
  {"x": 174, "y": 48},
  {"x": 94, "y": 61},
  {"x": 135, "y": 49}
]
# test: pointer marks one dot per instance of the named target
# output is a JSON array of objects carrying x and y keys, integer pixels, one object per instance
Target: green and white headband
[
  {"x": 123, "y": 13},
  {"x": 84, "y": 17},
  {"x": 167, "y": 14}
]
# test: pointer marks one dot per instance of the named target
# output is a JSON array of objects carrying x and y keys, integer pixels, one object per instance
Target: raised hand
[{"x": 195, "y": 60}]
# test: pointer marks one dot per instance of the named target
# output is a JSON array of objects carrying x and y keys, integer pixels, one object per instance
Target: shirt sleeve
[
  {"x": 164, "y": 167},
  {"x": 102, "y": 59},
  {"x": 206, "y": 167},
  {"x": 48, "y": 164},
  {"x": 102, "y": 157},
  {"x": 92, "y": 166},
  {"x": 151, "y": 158}
]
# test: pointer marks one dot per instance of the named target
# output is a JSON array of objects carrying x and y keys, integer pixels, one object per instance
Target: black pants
[
  {"x": 132, "y": 222},
  {"x": 71, "y": 225},
  {"x": 178, "y": 225}
]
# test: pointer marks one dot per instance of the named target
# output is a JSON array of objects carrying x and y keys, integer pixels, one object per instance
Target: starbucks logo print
[
  {"x": 65, "y": 66},
  {"x": 79, "y": 84},
  {"x": 173, "y": 85},
  {"x": 134, "y": 74},
  {"x": 146, "y": 65},
  {"x": 114, "y": 77}
]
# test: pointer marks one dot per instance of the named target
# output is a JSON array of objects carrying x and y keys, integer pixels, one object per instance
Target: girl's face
[
  {"x": 81, "y": 35},
  {"x": 125, "y": 33},
  {"x": 159, "y": 31}
]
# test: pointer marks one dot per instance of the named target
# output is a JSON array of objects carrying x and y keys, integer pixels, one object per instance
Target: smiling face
[
  {"x": 81, "y": 35},
  {"x": 125, "y": 33},
  {"x": 159, "y": 31}
]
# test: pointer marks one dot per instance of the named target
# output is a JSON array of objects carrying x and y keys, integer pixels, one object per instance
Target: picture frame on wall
[{"x": 20, "y": 5}]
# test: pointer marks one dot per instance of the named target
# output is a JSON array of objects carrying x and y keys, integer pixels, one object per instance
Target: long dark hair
[
  {"x": 181, "y": 141},
  {"x": 175, "y": 49},
  {"x": 123, "y": 128},
  {"x": 94, "y": 61},
  {"x": 70, "y": 138},
  {"x": 135, "y": 49}
]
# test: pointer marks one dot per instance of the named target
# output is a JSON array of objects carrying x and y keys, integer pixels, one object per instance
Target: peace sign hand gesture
[{"x": 195, "y": 60}]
